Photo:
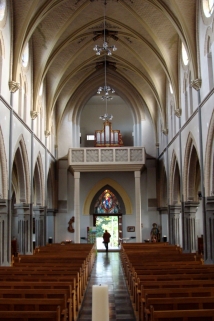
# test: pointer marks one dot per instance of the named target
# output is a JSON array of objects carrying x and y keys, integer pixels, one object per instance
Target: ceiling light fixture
[
  {"x": 106, "y": 97},
  {"x": 105, "y": 46},
  {"x": 105, "y": 90}
]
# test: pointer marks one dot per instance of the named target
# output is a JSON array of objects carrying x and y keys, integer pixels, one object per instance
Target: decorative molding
[
  {"x": 96, "y": 159},
  {"x": 106, "y": 155},
  {"x": 196, "y": 84},
  {"x": 121, "y": 155},
  {"x": 13, "y": 86},
  {"x": 92, "y": 155},
  {"x": 136, "y": 155},
  {"x": 33, "y": 114},
  {"x": 77, "y": 156}
]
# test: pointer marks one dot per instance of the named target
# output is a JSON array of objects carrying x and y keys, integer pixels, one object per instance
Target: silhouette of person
[{"x": 106, "y": 239}]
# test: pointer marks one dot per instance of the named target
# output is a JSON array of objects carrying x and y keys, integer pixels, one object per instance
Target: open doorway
[{"x": 111, "y": 224}]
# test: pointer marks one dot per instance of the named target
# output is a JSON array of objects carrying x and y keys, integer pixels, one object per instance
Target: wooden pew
[
  {"x": 182, "y": 315},
  {"x": 35, "y": 293},
  {"x": 175, "y": 293},
  {"x": 165, "y": 304},
  {"x": 45, "y": 286},
  {"x": 26, "y": 304},
  {"x": 163, "y": 268},
  {"x": 51, "y": 268},
  {"x": 31, "y": 315}
]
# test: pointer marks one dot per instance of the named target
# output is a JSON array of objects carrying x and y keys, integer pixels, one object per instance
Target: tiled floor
[{"x": 108, "y": 270}]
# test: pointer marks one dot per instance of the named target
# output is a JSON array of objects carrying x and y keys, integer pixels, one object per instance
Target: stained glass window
[{"x": 107, "y": 203}]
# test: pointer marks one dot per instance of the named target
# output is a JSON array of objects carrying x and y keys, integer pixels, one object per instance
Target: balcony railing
[{"x": 106, "y": 159}]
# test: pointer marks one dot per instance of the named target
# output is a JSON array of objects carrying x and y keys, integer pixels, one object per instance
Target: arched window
[
  {"x": 2, "y": 9},
  {"x": 107, "y": 203},
  {"x": 208, "y": 6},
  {"x": 210, "y": 63},
  {"x": 20, "y": 99},
  {"x": 185, "y": 57},
  {"x": 25, "y": 104},
  {"x": 25, "y": 56},
  {"x": 1, "y": 64},
  {"x": 190, "y": 96}
]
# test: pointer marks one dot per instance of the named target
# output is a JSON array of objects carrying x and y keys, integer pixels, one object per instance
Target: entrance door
[{"x": 111, "y": 223}]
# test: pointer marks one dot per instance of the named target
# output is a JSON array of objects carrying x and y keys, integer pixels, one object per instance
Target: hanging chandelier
[
  {"x": 105, "y": 46},
  {"x": 105, "y": 90}
]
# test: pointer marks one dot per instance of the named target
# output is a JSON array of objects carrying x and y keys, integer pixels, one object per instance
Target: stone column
[
  {"x": 51, "y": 213},
  {"x": 189, "y": 226},
  {"x": 174, "y": 224},
  {"x": 77, "y": 206},
  {"x": 33, "y": 115},
  {"x": 209, "y": 247},
  {"x": 137, "y": 175},
  {"x": 38, "y": 214},
  {"x": 4, "y": 261},
  {"x": 164, "y": 223},
  {"x": 22, "y": 211},
  {"x": 13, "y": 87},
  {"x": 47, "y": 134}
]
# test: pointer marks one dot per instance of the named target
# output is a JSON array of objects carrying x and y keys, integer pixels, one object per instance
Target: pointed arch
[
  {"x": 23, "y": 173},
  {"x": 209, "y": 160},
  {"x": 99, "y": 186},
  {"x": 191, "y": 177},
  {"x": 3, "y": 169},
  {"x": 38, "y": 182},
  {"x": 174, "y": 186}
]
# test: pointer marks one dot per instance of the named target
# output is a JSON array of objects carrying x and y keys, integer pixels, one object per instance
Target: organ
[{"x": 107, "y": 137}]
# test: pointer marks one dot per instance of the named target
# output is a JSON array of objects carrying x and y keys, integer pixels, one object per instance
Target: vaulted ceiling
[{"x": 147, "y": 34}]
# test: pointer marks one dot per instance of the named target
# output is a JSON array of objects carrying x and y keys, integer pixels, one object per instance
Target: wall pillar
[
  {"x": 51, "y": 213},
  {"x": 189, "y": 224},
  {"x": 4, "y": 233},
  {"x": 47, "y": 134},
  {"x": 137, "y": 175},
  {"x": 209, "y": 259},
  {"x": 77, "y": 206},
  {"x": 22, "y": 211},
  {"x": 174, "y": 224},
  {"x": 38, "y": 214},
  {"x": 13, "y": 87}
]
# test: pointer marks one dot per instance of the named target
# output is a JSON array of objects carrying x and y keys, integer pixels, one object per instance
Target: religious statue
[
  {"x": 70, "y": 227},
  {"x": 155, "y": 234}
]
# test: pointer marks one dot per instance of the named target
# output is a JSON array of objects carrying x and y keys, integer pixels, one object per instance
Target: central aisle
[{"x": 108, "y": 270}]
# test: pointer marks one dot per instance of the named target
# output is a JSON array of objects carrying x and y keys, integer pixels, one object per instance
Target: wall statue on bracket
[{"x": 70, "y": 227}]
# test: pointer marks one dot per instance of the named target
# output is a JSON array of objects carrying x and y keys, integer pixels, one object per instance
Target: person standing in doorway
[{"x": 106, "y": 239}]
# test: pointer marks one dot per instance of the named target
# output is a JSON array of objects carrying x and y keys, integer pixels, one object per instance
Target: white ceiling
[{"x": 147, "y": 34}]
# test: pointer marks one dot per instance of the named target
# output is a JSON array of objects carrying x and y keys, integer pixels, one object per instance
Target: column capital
[
  {"x": 178, "y": 112},
  {"x": 47, "y": 133},
  {"x": 13, "y": 86},
  {"x": 77, "y": 175},
  {"x": 196, "y": 84},
  {"x": 137, "y": 174},
  {"x": 34, "y": 114},
  {"x": 165, "y": 131}
]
